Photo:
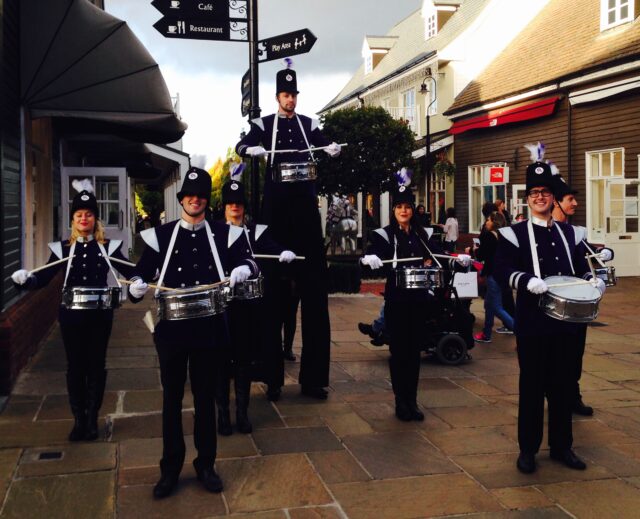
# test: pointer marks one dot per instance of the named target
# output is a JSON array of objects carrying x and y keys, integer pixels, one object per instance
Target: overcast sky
[{"x": 207, "y": 74}]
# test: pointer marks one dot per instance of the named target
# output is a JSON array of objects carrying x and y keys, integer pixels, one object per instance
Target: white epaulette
[
  {"x": 260, "y": 228},
  {"x": 314, "y": 124},
  {"x": 580, "y": 233},
  {"x": 56, "y": 248},
  {"x": 234, "y": 233},
  {"x": 258, "y": 122},
  {"x": 509, "y": 235},
  {"x": 383, "y": 233},
  {"x": 429, "y": 231},
  {"x": 150, "y": 238},
  {"x": 114, "y": 245}
]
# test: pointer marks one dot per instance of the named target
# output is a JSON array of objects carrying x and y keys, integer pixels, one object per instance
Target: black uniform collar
[
  {"x": 85, "y": 239},
  {"x": 541, "y": 222},
  {"x": 192, "y": 226},
  {"x": 284, "y": 116}
]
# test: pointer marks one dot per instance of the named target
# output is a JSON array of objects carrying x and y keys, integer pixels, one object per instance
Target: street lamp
[{"x": 432, "y": 90}]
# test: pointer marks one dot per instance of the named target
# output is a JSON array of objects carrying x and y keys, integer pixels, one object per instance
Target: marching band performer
[
  {"x": 528, "y": 252},
  {"x": 245, "y": 340},
  {"x": 405, "y": 311},
  {"x": 190, "y": 253},
  {"x": 86, "y": 332},
  {"x": 291, "y": 211},
  {"x": 564, "y": 207}
]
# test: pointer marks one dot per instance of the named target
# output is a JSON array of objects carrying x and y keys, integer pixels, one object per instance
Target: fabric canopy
[
  {"x": 524, "y": 112},
  {"x": 79, "y": 62}
]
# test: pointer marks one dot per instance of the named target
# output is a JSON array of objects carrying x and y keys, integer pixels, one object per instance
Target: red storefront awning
[{"x": 524, "y": 112}]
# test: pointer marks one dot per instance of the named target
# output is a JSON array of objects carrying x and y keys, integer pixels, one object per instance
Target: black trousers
[
  {"x": 406, "y": 324},
  {"x": 85, "y": 334},
  {"x": 581, "y": 340},
  {"x": 192, "y": 344},
  {"x": 288, "y": 311},
  {"x": 547, "y": 367},
  {"x": 295, "y": 224}
]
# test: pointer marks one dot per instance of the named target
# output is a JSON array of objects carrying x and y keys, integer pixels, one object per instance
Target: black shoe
[
  {"x": 210, "y": 480},
  {"x": 79, "y": 430},
  {"x": 242, "y": 421},
  {"x": 581, "y": 409},
  {"x": 416, "y": 414},
  {"x": 403, "y": 411},
  {"x": 273, "y": 394},
  {"x": 287, "y": 354},
  {"x": 315, "y": 392},
  {"x": 569, "y": 458},
  {"x": 367, "y": 329},
  {"x": 526, "y": 463},
  {"x": 165, "y": 485},
  {"x": 224, "y": 423},
  {"x": 91, "y": 433}
]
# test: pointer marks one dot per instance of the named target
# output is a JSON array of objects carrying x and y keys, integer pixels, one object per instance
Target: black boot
[
  {"x": 77, "y": 389},
  {"x": 403, "y": 410},
  {"x": 222, "y": 400},
  {"x": 95, "y": 383},
  {"x": 243, "y": 392},
  {"x": 580, "y": 408}
]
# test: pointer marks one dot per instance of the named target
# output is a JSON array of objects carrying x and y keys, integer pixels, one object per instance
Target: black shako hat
[
  {"x": 539, "y": 173},
  {"x": 196, "y": 182},
  {"x": 402, "y": 192},
  {"x": 561, "y": 188},
  {"x": 233, "y": 193},
  {"x": 286, "y": 80},
  {"x": 85, "y": 199}
]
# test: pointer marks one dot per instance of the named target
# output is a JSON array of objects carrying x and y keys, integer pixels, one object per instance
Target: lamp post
[{"x": 433, "y": 96}]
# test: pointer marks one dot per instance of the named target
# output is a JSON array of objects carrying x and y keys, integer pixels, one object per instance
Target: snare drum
[
  {"x": 295, "y": 172},
  {"x": 249, "y": 289},
  {"x": 412, "y": 278},
  {"x": 176, "y": 305},
  {"x": 607, "y": 274},
  {"x": 91, "y": 298},
  {"x": 575, "y": 303}
]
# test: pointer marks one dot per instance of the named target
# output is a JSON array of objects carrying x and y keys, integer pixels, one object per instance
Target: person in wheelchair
[{"x": 406, "y": 311}]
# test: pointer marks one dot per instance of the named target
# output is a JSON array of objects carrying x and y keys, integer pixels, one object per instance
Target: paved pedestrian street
[{"x": 346, "y": 457}]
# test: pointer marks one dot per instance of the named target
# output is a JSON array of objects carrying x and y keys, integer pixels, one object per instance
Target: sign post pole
[{"x": 254, "y": 111}]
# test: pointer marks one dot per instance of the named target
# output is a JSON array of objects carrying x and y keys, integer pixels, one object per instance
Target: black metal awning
[{"x": 80, "y": 63}]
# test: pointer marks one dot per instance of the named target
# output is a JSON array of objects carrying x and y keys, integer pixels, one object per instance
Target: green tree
[{"x": 378, "y": 146}]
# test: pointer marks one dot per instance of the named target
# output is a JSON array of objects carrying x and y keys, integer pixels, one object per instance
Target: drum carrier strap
[
  {"x": 534, "y": 250},
  {"x": 586, "y": 244},
  {"x": 72, "y": 249},
  {"x": 274, "y": 131},
  {"x": 214, "y": 251},
  {"x": 106, "y": 258}
]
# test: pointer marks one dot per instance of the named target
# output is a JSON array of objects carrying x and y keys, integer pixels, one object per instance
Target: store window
[{"x": 482, "y": 190}]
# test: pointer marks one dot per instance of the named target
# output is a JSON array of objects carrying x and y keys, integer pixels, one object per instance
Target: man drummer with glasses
[
  {"x": 291, "y": 210},
  {"x": 191, "y": 253},
  {"x": 528, "y": 252},
  {"x": 564, "y": 207}
]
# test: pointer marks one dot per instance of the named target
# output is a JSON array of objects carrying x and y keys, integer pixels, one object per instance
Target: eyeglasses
[{"x": 535, "y": 193}]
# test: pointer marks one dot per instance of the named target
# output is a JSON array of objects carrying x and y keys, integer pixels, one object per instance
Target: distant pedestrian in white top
[{"x": 450, "y": 229}]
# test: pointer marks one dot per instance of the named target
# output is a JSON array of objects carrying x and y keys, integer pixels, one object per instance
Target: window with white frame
[
  {"x": 368, "y": 63},
  {"x": 436, "y": 205},
  {"x": 408, "y": 112},
  {"x": 616, "y": 12},
  {"x": 481, "y": 191},
  {"x": 431, "y": 26}
]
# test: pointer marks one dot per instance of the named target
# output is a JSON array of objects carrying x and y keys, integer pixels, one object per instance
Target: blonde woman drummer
[
  {"x": 406, "y": 311},
  {"x": 85, "y": 333}
]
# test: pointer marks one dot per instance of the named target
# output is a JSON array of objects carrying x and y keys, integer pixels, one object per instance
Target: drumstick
[
  {"x": 127, "y": 282},
  {"x": 275, "y": 256},
  {"x": 320, "y": 148},
  {"x": 570, "y": 283},
  {"x": 53, "y": 263},
  {"x": 400, "y": 260},
  {"x": 122, "y": 261},
  {"x": 206, "y": 287}
]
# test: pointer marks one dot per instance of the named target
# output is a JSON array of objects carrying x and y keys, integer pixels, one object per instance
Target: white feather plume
[
  {"x": 536, "y": 151},
  {"x": 403, "y": 177},
  {"x": 82, "y": 185},
  {"x": 554, "y": 168}
]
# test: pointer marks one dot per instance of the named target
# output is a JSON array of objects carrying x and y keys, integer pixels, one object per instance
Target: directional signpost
[
  {"x": 284, "y": 45},
  {"x": 232, "y": 20}
]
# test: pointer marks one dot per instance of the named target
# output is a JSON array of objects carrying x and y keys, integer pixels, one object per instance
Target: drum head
[{"x": 580, "y": 291}]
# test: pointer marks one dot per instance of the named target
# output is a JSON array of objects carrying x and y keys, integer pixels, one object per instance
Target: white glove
[
  {"x": 605, "y": 255},
  {"x": 537, "y": 286},
  {"x": 239, "y": 274},
  {"x": 138, "y": 288},
  {"x": 287, "y": 256},
  {"x": 463, "y": 259},
  {"x": 333, "y": 150},
  {"x": 256, "y": 151},
  {"x": 20, "y": 277},
  {"x": 600, "y": 285},
  {"x": 371, "y": 260}
]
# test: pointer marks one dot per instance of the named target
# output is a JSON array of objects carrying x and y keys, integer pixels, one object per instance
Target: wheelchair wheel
[{"x": 451, "y": 349}]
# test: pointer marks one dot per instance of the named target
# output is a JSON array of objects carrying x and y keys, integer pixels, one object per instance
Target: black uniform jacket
[{"x": 514, "y": 268}]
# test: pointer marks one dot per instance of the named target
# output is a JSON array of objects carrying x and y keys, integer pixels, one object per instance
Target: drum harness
[
  {"x": 172, "y": 241},
  {"x": 534, "y": 250},
  {"x": 275, "y": 131},
  {"x": 104, "y": 255},
  {"x": 395, "y": 254}
]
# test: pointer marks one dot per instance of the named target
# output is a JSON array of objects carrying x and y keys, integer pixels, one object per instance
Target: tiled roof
[
  {"x": 410, "y": 47},
  {"x": 564, "y": 40},
  {"x": 381, "y": 42}
]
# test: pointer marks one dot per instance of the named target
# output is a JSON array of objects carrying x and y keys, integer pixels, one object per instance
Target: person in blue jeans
[{"x": 493, "y": 298}]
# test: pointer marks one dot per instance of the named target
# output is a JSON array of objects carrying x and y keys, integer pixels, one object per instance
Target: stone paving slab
[
  {"x": 476, "y": 416},
  {"x": 522, "y": 498},
  {"x": 76, "y": 457},
  {"x": 326, "y": 512},
  {"x": 338, "y": 467},
  {"x": 18, "y": 410},
  {"x": 426, "y": 496},
  {"x": 31, "y": 434},
  {"x": 56, "y": 407},
  {"x": 69, "y": 496},
  {"x": 303, "y": 439},
  {"x": 8, "y": 462},
  {"x": 472, "y": 440}
]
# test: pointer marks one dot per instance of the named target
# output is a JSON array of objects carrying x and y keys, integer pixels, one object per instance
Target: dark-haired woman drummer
[
  {"x": 406, "y": 310},
  {"x": 85, "y": 333}
]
